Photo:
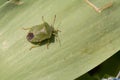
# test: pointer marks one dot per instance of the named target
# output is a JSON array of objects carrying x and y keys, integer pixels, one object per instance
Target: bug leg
[
  {"x": 26, "y": 28},
  {"x": 48, "y": 44},
  {"x": 59, "y": 40},
  {"x": 35, "y": 46}
]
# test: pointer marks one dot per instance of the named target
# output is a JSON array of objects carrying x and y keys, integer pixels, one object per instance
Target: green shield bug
[{"x": 41, "y": 33}]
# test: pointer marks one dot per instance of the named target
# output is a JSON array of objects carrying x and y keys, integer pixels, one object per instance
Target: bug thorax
[{"x": 50, "y": 27}]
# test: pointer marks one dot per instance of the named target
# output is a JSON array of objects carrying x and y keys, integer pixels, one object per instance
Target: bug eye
[{"x": 30, "y": 36}]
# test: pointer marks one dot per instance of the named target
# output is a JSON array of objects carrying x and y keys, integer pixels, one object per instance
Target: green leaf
[
  {"x": 87, "y": 39},
  {"x": 109, "y": 68}
]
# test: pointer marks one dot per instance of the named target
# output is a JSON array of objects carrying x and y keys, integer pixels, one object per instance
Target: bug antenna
[{"x": 54, "y": 20}]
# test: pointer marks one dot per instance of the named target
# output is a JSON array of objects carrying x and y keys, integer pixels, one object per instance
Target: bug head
[
  {"x": 30, "y": 36},
  {"x": 53, "y": 20}
]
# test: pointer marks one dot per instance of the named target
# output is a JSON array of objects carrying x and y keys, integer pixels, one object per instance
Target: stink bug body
[{"x": 40, "y": 33}]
